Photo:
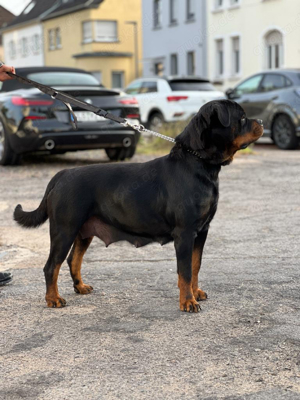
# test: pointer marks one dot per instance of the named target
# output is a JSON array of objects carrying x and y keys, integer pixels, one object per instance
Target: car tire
[
  {"x": 155, "y": 122},
  {"x": 120, "y": 153},
  {"x": 7, "y": 155},
  {"x": 284, "y": 133}
]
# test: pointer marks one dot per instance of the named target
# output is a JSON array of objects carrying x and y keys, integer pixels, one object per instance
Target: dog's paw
[
  {"x": 83, "y": 289},
  {"x": 56, "y": 302},
  {"x": 200, "y": 295},
  {"x": 190, "y": 305}
]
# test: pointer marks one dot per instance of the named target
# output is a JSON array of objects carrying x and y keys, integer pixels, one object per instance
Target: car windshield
[
  {"x": 57, "y": 78},
  {"x": 191, "y": 85}
]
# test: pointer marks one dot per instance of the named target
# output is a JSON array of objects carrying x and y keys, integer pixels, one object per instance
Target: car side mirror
[{"x": 231, "y": 94}]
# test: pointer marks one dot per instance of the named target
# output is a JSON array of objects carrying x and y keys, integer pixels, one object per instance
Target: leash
[{"x": 68, "y": 100}]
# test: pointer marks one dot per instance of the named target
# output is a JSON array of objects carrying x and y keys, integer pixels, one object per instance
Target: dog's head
[{"x": 219, "y": 130}]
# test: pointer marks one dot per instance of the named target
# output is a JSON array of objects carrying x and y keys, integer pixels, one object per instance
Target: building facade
[
  {"x": 5, "y": 18},
  {"x": 249, "y": 36},
  {"x": 174, "y": 37},
  {"x": 103, "y": 37},
  {"x": 23, "y": 36}
]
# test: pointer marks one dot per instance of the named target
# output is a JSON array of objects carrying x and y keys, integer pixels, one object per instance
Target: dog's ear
[{"x": 219, "y": 108}]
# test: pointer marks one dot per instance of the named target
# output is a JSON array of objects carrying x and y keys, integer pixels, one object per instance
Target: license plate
[{"x": 88, "y": 116}]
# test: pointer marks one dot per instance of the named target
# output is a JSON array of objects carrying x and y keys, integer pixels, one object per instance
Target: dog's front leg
[{"x": 184, "y": 244}]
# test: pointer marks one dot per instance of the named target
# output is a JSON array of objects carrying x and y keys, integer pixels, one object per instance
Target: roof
[
  {"x": 69, "y": 6},
  {"x": 102, "y": 54},
  {"x": 6, "y": 17},
  {"x": 35, "y": 10}
]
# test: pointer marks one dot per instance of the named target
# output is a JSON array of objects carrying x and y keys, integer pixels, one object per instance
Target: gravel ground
[{"x": 128, "y": 339}]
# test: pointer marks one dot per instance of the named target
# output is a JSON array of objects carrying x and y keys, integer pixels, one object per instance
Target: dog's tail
[{"x": 35, "y": 218}]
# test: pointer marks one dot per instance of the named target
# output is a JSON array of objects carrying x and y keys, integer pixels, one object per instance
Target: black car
[
  {"x": 274, "y": 97},
  {"x": 31, "y": 121}
]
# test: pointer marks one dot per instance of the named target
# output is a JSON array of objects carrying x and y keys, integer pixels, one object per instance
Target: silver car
[{"x": 274, "y": 97}]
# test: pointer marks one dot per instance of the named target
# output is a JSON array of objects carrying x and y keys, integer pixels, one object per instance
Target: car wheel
[
  {"x": 120, "y": 153},
  {"x": 284, "y": 133},
  {"x": 7, "y": 155},
  {"x": 155, "y": 122}
]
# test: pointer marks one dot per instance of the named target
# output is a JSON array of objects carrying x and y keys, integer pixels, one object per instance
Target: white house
[
  {"x": 248, "y": 36},
  {"x": 23, "y": 37},
  {"x": 174, "y": 37}
]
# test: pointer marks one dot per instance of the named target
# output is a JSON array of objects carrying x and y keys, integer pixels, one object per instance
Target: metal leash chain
[{"x": 141, "y": 128}]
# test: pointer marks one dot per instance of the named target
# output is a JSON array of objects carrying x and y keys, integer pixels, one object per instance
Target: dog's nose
[{"x": 260, "y": 121}]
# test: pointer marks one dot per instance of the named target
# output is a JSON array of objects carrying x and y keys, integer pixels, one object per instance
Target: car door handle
[
  {"x": 274, "y": 98},
  {"x": 246, "y": 101}
]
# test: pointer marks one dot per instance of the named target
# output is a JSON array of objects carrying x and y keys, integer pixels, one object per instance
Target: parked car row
[{"x": 31, "y": 121}]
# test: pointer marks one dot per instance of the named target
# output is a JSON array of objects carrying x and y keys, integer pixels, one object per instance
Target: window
[
  {"x": 191, "y": 63},
  {"x": 97, "y": 75},
  {"x": 218, "y": 3},
  {"x": 55, "y": 78},
  {"x": 220, "y": 57},
  {"x": 24, "y": 47},
  {"x": 174, "y": 64},
  {"x": 157, "y": 14},
  {"x": 58, "y": 38},
  {"x": 36, "y": 44},
  {"x": 190, "y": 10},
  {"x": 159, "y": 68},
  {"x": 181, "y": 84},
  {"x": 134, "y": 88},
  {"x": 12, "y": 49},
  {"x": 51, "y": 38},
  {"x": 274, "y": 82},
  {"x": 106, "y": 31},
  {"x": 274, "y": 50},
  {"x": 148, "y": 87},
  {"x": 173, "y": 11},
  {"x": 251, "y": 85},
  {"x": 87, "y": 31},
  {"x": 117, "y": 80},
  {"x": 236, "y": 68}
]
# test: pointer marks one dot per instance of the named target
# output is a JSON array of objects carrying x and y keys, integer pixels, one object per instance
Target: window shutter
[{"x": 106, "y": 31}]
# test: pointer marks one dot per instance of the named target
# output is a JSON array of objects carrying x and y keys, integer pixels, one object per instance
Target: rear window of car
[
  {"x": 51, "y": 78},
  {"x": 190, "y": 85},
  {"x": 63, "y": 78}
]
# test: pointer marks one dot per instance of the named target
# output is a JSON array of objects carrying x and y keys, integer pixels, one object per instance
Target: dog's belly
[{"x": 110, "y": 234}]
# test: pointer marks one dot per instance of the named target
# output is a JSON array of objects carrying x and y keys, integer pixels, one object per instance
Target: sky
[{"x": 14, "y": 6}]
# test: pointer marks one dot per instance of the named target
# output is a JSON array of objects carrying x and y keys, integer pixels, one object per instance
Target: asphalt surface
[{"x": 128, "y": 339}]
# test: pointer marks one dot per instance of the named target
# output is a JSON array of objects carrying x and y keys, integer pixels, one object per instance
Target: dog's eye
[
  {"x": 243, "y": 120},
  {"x": 244, "y": 146}
]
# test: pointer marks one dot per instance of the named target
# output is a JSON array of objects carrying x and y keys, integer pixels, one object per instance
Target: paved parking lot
[{"x": 128, "y": 339}]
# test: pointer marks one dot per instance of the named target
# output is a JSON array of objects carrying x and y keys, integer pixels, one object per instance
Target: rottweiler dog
[{"x": 172, "y": 198}]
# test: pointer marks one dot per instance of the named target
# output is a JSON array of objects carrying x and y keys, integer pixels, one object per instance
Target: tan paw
[
  {"x": 83, "y": 289},
  {"x": 55, "y": 302},
  {"x": 200, "y": 295},
  {"x": 190, "y": 305}
]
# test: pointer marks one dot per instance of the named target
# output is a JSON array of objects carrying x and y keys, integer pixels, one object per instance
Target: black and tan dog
[{"x": 172, "y": 198}]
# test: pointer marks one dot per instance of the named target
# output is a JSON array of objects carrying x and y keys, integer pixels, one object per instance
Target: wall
[
  {"x": 251, "y": 20},
  {"x": 72, "y": 41},
  {"x": 160, "y": 43},
  {"x": 33, "y": 57}
]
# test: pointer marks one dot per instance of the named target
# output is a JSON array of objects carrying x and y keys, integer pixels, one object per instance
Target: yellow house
[{"x": 100, "y": 36}]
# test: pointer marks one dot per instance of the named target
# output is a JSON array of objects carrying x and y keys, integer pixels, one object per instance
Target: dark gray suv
[{"x": 274, "y": 97}]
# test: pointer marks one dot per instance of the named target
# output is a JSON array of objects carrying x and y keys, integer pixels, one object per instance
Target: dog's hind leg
[
  {"x": 79, "y": 248},
  {"x": 60, "y": 246},
  {"x": 196, "y": 264}
]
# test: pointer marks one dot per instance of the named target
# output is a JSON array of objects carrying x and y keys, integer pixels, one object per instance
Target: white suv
[{"x": 171, "y": 99}]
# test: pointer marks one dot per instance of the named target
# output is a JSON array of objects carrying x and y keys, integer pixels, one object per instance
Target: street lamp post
[{"x": 136, "y": 46}]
